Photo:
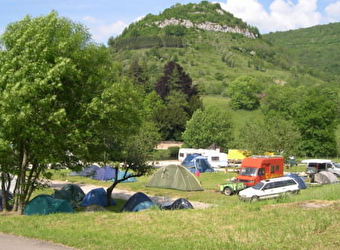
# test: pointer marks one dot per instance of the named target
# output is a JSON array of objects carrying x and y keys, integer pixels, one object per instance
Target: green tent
[
  {"x": 174, "y": 177},
  {"x": 46, "y": 204}
]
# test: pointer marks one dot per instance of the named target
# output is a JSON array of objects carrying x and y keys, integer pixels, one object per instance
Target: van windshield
[
  {"x": 258, "y": 186},
  {"x": 337, "y": 165},
  {"x": 246, "y": 171}
]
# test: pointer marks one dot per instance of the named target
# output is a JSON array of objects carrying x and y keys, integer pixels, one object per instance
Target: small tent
[
  {"x": 196, "y": 162},
  {"x": 75, "y": 190},
  {"x": 300, "y": 181},
  {"x": 104, "y": 173},
  {"x": 174, "y": 177},
  {"x": 138, "y": 202},
  {"x": 324, "y": 177},
  {"x": 89, "y": 171},
  {"x": 65, "y": 195},
  {"x": 96, "y": 196},
  {"x": 45, "y": 204},
  {"x": 180, "y": 203}
]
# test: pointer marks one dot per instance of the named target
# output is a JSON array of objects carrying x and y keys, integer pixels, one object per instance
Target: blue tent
[
  {"x": 121, "y": 176},
  {"x": 137, "y": 202},
  {"x": 299, "y": 180},
  {"x": 89, "y": 171},
  {"x": 196, "y": 162},
  {"x": 96, "y": 196}
]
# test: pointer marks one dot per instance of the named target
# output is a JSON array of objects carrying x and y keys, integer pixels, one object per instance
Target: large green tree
[
  {"x": 244, "y": 93},
  {"x": 313, "y": 110},
  {"x": 213, "y": 125},
  {"x": 59, "y": 93},
  {"x": 272, "y": 134},
  {"x": 180, "y": 98}
]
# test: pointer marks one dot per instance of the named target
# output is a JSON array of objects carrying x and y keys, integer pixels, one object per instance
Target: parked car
[
  {"x": 270, "y": 188},
  {"x": 314, "y": 166}
]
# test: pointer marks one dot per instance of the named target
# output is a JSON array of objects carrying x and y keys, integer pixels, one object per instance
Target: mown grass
[{"x": 284, "y": 223}]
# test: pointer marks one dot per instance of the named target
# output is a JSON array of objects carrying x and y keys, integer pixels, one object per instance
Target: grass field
[{"x": 305, "y": 221}]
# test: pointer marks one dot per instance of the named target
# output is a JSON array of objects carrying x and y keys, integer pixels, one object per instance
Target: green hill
[
  {"x": 212, "y": 46},
  {"x": 215, "y": 49},
  {"x": 316, "y": 47}
]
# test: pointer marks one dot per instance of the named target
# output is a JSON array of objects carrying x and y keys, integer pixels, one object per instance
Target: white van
[
  {"x": 270, "y": 188},
  {"x": 316, "y": 165}
]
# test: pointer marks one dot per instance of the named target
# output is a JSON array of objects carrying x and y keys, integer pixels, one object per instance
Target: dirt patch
[
  {"x": 312, "y": 204},
  {"x": 316, "y": 204}
]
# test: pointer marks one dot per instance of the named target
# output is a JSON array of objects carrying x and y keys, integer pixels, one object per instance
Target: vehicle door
[{"x": 268, "y": 190}]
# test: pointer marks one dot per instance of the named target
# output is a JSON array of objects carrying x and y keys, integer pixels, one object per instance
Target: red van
[{"x": 256, "y": 168}]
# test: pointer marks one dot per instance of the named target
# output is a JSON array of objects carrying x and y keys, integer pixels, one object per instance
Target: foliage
[
  {"x": 180, "y": 99},
  {"x": 272, "y": 134},
  {"x": 316, "y": 47},
  {"x": 243, "y": 93},
  {"x": 213, "y": 125},
  {"x": 60, "y": 96},
  {"x": 314, "y": 111}
]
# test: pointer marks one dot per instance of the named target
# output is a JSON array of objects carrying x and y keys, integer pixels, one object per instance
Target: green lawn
[{"x": 285, "y": 223}]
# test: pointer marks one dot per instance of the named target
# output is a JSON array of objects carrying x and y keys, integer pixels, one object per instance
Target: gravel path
[{"x": 125, "y": 195}]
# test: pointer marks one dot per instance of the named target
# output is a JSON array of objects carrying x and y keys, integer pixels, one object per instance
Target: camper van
[
  {"x": 257, "y": 168},
  {"x": 215, "y": 158},
  {"x": 317, "y": 165}
]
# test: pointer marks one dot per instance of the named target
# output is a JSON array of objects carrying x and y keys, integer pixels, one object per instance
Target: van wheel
[
  {"x": 227, "y": 191},
  {"x": 254, "y": 199}
]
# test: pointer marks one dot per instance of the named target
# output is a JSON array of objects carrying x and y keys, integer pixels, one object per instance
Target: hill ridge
[{"x": 209, "y": 26}]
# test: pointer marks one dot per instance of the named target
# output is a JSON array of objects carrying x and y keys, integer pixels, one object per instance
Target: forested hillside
[
  {"x": 223, "y": 56},
  {"x": 316, "y": 47},
  {"x": 210, "y": 44}
]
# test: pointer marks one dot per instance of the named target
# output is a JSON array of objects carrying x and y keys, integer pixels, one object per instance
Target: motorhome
[{"x": 256, "y": 168}]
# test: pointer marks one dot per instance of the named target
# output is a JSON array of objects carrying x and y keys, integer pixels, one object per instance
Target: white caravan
[{"x": 214, "y": 157}]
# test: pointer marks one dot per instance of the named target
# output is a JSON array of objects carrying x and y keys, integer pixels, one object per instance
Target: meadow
[{"x": 308, "y": 220}]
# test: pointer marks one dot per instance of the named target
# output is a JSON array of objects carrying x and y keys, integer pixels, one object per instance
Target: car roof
[
  {"x": 316, "y": 161},
  {"x": 277, "y": 179}
]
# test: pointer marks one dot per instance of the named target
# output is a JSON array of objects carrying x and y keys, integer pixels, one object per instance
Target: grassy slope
[{"x": 316, "y": 47}]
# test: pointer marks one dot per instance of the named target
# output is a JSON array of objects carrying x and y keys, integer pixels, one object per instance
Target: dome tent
[
  {"x": 174, "y": 177},
  {"x": 96, "y": 196},
  {"x": 180, "y": 203},
  {"x": 138, "y": 202},
  {"x": 45, "y": 204}
]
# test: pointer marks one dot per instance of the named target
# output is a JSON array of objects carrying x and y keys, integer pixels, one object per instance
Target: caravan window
[{"x": 215, "y": 158}]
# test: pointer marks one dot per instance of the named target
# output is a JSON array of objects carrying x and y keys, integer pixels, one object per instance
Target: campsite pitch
[{"x": 125, "y": 195}]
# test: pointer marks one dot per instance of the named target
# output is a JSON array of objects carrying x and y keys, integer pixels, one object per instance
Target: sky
[{"x": 108, "y": 18}]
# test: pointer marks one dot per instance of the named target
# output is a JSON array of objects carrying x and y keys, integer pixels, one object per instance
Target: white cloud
[
  {"x": 282, "y": 14},
  {"x": 333, "y": 10},
  {"x": 101, "y": 31}
]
